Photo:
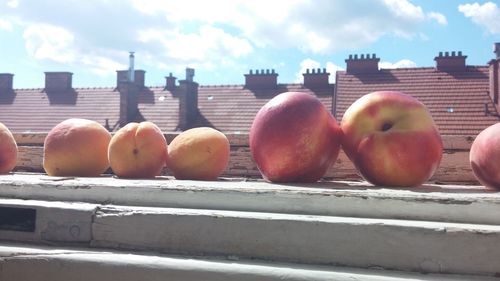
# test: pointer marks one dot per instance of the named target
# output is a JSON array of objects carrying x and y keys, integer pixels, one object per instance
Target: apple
[
  {"x": 485, "y": 157},
  {"x": 8, "y": 150},
  {"x": 76, "y": 147},
  {"x": 392, "y": 139},
  {"x": 294, "y": 138},
  {"x": 198, "y": 154},
  {"x": 138, "y": 150}
]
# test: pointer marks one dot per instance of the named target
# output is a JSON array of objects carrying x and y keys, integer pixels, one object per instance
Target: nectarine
[
  {"x": 294, "y": 138},
  {"x": 485, "y": 157},
  {"x": 392, "y": 139}
]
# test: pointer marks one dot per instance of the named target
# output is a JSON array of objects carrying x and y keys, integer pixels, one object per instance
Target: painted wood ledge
[
  {"x": 35, "y": 263},
  {"x": 431, "y": 202}
]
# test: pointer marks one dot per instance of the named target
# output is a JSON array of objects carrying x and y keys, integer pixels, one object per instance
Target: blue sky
[{"x": 224, "y": 39}]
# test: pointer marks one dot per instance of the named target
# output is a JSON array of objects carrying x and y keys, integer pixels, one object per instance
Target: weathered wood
[
  {"x": 454, "y": 167},
  {"x": 25, "y": 262},
  {"x": 427, "y": 247},
  {"x": 55, "y": 221},
  {"x": 451, "y": 203}
]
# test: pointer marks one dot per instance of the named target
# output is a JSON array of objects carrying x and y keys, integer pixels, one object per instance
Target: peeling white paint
[{"x": 41, "y": 263}]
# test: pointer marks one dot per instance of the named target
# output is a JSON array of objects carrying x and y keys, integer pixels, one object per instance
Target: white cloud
[
  {"x": 316, "y": 26},
  {"x": 438, "y": 17},
  {"x": 6, "y": 25},
  {"x": 50, "y": 42},
  {"x": 13, "y": 3},
  {"x": 404, "y": 63},
  {"x": 208, "y": 44},
  {"x": 57, "y": 44},
  {"x": 487, "y": 15},
  {"x": 312, "y": 64}
]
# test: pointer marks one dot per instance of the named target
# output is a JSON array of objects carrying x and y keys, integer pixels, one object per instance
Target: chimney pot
[
  {"x": 453, "y": 54},
  {"x": 350, "y": 57},
  {"x": 459, "y": 53},
  {"x": 307, "y": 71},
  {"x": 131, "y": 70},
  {"x": 440, "y": 54},
  {"x": 446, "y": 54},
  {"x": 251, "y": 71},
  {"x": 362, "y": 56},
  {"x": 374, "y": 56}
]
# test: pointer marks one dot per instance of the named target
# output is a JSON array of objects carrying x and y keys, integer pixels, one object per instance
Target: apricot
[
  {"x": 138, "y": 150},
  {"x": 76, "y": 147},
  {"x": 8, "y": 150},
  {"x": 198, "y": 154}
]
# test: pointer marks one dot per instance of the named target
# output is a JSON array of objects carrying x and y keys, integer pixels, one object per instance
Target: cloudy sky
[{"x": 224, "y": 39}]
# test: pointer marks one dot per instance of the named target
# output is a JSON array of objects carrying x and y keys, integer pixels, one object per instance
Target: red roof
[
  {"x": 456, "y": 100},
  {"x": 227, "y": 108}
]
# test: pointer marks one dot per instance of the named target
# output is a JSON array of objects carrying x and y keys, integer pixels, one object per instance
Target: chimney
[
  {"x": 188, "y": 101},
  {"x": 267, "y": 79},
  {"x": 316, "y": 78},
  {"x": 6, "y": 85},
  {"x": 496, "y": 49},
  {"x": 450, "y": 62},
  {"x": 58, "y": 81},
  {"x": 368, "y": 64},
  {"x": 170, "y": 85},
  {"x": 495, "y": 76},
  {"x": 129, "y": 94},
  {"x": 123, "y": 76}
]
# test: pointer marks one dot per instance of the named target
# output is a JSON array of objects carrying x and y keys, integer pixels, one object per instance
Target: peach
[
  {"x": 8, "y": 150},
  {"x": 76, "y": 147},
  {"x": 198, "y": 154},
  {"x": 138, "y": 150},
  {"x": 294, "y": 138}
]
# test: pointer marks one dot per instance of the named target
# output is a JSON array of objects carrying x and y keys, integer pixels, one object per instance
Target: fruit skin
[
  {"x": 198, "y": 154},
  {"x": 392, "y": 139},
  {"x": 138, "y": 150},
  {"x": 485, "y": 157},
  {"x": 8, "y": 150},
  {"x": 76, "y": 147},
  {"x": 294, "y": 138}
]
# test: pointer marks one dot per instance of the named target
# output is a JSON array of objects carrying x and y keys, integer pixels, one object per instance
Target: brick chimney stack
[
  {"x": 188, "y": 101},
  {"x": 58, "y": 82},
  {"x": 316, "y": 78},
  {"x": 129, "y": 94},
  {"x": 450, "y": 62},
  {"x": 263, "y": 79},
  {"x": 362, "y": 64},
  {"x": 495, "y": 76},
  {"x": 170, "y": 85},
  {"x": 6, "y": 83}
]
